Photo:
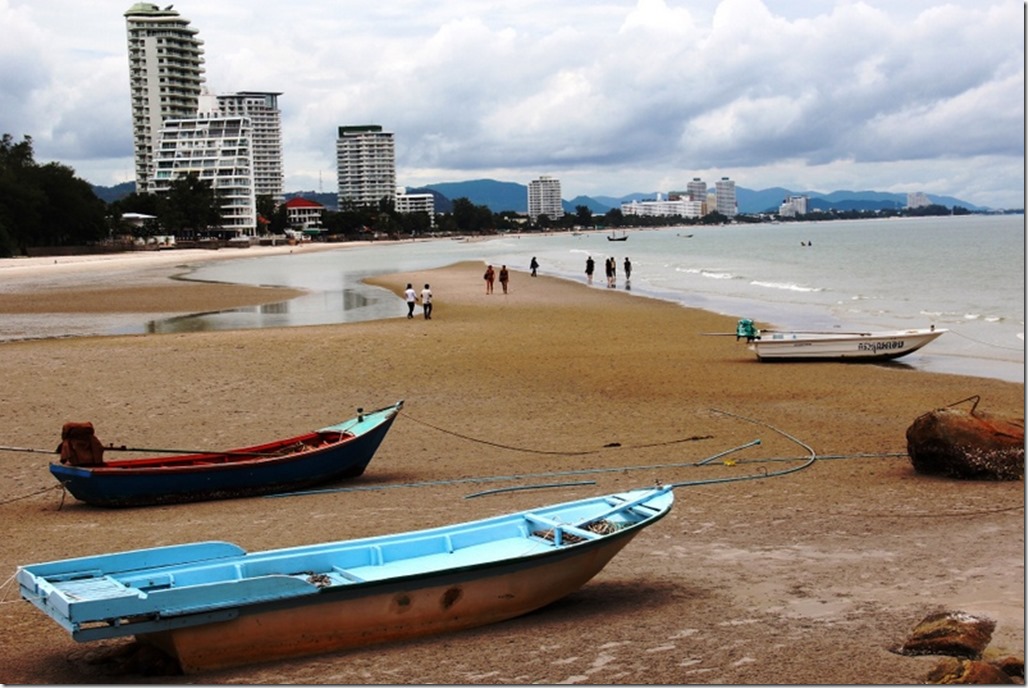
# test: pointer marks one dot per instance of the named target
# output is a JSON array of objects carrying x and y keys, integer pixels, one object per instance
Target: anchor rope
[{"x": 528, "y": 450}]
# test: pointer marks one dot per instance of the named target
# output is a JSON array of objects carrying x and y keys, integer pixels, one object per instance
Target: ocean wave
[
  {"x": 717, "y": 275},
  {"x": 786, "y": 286}
]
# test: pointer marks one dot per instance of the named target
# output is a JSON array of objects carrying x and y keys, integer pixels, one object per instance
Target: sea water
[{"x": 961, "y": 273}]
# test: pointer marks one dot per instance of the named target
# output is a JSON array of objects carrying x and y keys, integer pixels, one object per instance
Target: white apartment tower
[
  {"x": 697, "y": 190},
  {"x": 218, "y": 150},
  {"x": 366, "y": 165},
  {"x": 266, "y": 121},
  {"x": 724, "y": 190},
  {"x": 544, "y": 198},
  {"x": 165, "y": 77}
]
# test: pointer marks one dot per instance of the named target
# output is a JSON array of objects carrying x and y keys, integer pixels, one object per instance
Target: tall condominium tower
[
  {"x": 165, "y": 76},
  {"x": 262, "y": 109},
  {"x": 724, "y": 190},
  {"x": 366, "y": 165},
  {"x": 218, "y": 150},
  {"x": 697, "y": 190},
  {"x": 544, "y": 198}
]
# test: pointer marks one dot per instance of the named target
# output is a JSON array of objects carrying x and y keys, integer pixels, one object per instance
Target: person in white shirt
[
  {"x": 426, "y": 302},
  {"x": 412, "y": 298}
]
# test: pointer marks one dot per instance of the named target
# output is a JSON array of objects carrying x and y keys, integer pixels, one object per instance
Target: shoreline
[
  {"x": 91, "y": 284},
  {"x": 806, "y": 578}
]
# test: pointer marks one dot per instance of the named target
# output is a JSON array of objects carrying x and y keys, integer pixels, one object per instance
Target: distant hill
[
  {"x": 110, "y": 194},
  {"x": 510, "y": 196},
  {"x": 498, "y": 196}
]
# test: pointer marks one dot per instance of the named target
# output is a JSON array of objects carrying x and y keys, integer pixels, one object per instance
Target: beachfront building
[
  {"x": 366, "y": 165},
  {"x": 679, "y": 205},
  {"x": 218, "y": 150},
  {"x": 697, "y": 190},
  {"x": 724, "y": 192},
  {"x": 266, "y": 123},
  {"x": 304, "y": 214},
  {"x": 165, "y": 77},
  {"x": 544, "y": 198},
  {"x": 918, "y": 199},
  {"x": 793, "y": 206},
  {"x": 415, "y": 203}
]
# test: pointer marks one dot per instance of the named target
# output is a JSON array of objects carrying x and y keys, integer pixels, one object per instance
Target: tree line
[{"x": 48, "y": 206}]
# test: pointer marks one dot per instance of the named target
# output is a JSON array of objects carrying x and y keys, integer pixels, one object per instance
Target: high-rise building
[
  {"x": 724, "y": 190},
  {"x": 918, "y": 199},
  {"x": 165, "y": 77},
  {"x": 544, "y": 198},
  {"x": 218, "y": 150},
  {"x": 793, "y": 206},
  {"x": 697, "y": 190},
  {"x": 266, "y": 119},
  {"x": 366, "y": 165}
]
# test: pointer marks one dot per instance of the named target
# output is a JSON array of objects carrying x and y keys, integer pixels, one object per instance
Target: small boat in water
[
  {"x": 774, "y": 345},
  {"x": 212, "y": 605},
  {"x": 331, "y": 453},
  {"x": 617, "y": 237}
]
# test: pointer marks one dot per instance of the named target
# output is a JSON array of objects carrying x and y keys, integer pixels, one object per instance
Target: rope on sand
[{"x": 615, "y": 445}]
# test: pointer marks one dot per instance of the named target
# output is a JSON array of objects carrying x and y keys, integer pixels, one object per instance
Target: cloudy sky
[{"x": 610, "y": 96}]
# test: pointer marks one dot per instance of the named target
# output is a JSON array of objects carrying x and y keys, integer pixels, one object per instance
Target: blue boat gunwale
[
  {"x": 143, "y": 482},
  {"x": 286, "y": 590},
  {"x": 335, "y": 437}
]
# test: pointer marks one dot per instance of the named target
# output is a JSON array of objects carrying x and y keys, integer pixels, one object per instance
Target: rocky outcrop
[
  {"x": 967, "y": 444},
  {"x": 969, "y": 671},
  {"x": 956, "y": 634},
  {"x": 963, "y": 638}
]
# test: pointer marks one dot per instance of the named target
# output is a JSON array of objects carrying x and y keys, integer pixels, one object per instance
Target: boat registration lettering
[{"x": 890, "y": 345}]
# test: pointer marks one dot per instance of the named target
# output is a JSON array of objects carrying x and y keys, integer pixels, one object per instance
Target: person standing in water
[
  {"x": 628, "y": 273},
  {"x": 534, "y": 265},
  {"x": 590, "y": 265}
]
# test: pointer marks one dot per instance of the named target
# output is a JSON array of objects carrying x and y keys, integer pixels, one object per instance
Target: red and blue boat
[{"x": 332, "y": 453}]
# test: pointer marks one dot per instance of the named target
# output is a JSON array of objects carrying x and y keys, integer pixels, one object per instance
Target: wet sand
[{"x": 805, "y": 578}]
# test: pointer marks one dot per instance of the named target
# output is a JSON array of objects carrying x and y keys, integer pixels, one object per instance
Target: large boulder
[
  {"x": 952, "y": 633},
  {"x": 972, "y": 444}
]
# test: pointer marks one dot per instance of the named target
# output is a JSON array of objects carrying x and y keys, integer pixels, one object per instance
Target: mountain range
[{"x": 510, "y": 196}]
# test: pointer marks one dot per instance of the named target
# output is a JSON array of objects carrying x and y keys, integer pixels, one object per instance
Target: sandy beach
[{"x": 807, "y": 578}]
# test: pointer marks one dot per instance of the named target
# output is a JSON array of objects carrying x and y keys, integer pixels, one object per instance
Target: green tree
[
  {"x": 43, "y": 205},
  {"x": 190, "y": 207},
  {"x": 583, "y": 216},
  {"x": 471, "y": 218}
]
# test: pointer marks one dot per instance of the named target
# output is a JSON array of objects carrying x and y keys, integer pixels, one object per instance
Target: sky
[{"x": 610, "y": 97}]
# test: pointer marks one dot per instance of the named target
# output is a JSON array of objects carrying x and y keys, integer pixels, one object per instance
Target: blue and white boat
[{"x": 212, "y": 605}]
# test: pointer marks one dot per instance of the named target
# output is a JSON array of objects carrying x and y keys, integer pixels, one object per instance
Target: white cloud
[{"x": 611, "y": 96}]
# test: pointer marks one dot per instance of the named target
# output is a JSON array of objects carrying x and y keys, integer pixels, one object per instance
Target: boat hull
[
  {"x": 829, "y": 346},
  {"x": 436, "y": 604},
  {"x": 148, "y": 482},
  {"x": 212, "y": 605}
]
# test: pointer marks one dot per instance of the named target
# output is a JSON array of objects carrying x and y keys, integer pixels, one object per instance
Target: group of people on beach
[
  {"x": 610, "y": 267},
  {"x": 412, "y": 299},
  {"x": 490, "y": 276}
]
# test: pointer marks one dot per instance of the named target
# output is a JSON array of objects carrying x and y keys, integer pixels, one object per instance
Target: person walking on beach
[
  {"x": 504, "y": 277},
  {"x": 426, "y": 302},
  {"x": 412, "y": 298},
  {"x": 490, "y": 276},
  {"x": 534, "y": 265},
  {"x": 590, "y": 265},
  {"x": 628, "y": 273}
]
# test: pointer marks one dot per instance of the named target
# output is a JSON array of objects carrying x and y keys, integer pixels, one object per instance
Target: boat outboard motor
[
  {"x": 746, "y": 328},
  {"x": 80, "y": 446}
]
